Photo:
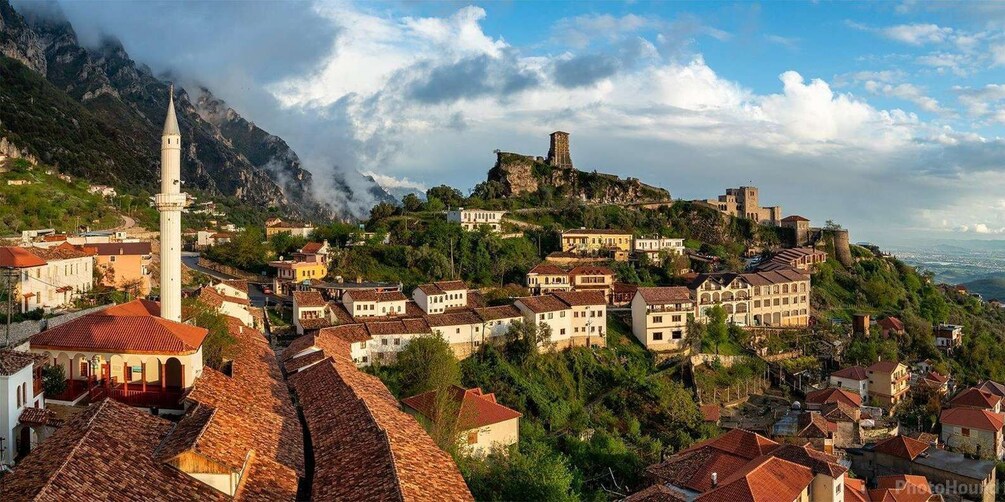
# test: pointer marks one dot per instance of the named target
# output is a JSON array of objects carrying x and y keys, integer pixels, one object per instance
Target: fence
[{"x": 734, "y": 394}]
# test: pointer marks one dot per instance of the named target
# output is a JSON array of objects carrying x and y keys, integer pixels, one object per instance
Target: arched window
[{"x": 19, "y": 396}]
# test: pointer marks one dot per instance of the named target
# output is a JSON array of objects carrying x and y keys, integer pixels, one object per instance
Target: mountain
[{"x": 96, "y": 113}]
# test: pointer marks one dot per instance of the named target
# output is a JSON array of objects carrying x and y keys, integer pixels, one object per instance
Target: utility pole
[{"x": 9, "y": 277}]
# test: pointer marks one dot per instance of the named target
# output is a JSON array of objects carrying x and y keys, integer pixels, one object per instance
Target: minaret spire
[{"x": 170, "y": 202}]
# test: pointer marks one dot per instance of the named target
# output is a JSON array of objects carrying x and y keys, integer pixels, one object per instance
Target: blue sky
[{"x": 886, "y": 117}]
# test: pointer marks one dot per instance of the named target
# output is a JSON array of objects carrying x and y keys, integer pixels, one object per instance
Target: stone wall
[{"x": 20, "y": 332}]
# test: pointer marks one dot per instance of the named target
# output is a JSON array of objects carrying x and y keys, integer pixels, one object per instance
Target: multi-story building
[
  {"x": 977, "y": 399},
  {"x": 123, "y": 265},
  {"x": 310, "y": 311},
  {"x": 592, "y": 278},
  {"x": 888, "y": 382},
  {"x": 48, "y": 278},
  {"x": 546, "y": 277},
  {"x": 473, "y": 219},
  {"x": 774, "y": 299},
  {"x": 278, "y": 226},
  {"x": 653, "y": 247},
  {"x": 482, "y": 424},
  {"x": 588, "y": 326},
  {"x": 973, "y": 432},
  {"x": 24, "y": 421},
  {"x": 289, "y": 273},
  {"x": 660, "y": 316},
  {"x": 800, "y": 228},
  {"x": 853, "y": 378},
  {"x": 436, "y": 297},
  {"x": 370, "y": 303},
  {"x": 948, "y": 337},
  {"x": 743, "y": 202},
  {"x": 462, "y": 329},
  {"x": 587, "y": 241}
]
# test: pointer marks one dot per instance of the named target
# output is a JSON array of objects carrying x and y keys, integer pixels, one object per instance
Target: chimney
[{"x": 715, "y": 479}]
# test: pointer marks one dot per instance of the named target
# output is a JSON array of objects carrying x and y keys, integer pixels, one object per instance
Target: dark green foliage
[
  {"x": 53, "y": 379},
  {"x": 246, "y": 251},
  {"x": 427, "y": 363},
  {"x": 219, "y": 343}
]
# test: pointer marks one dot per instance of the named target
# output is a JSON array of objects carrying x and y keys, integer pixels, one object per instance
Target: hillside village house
[
  {"x": 24, "y": 421},
  {"x": 48, "y": 278},
  {"x": 853, "y": 378},
  {"x": 434, "y": 298},
  {"x": 370, "y": 303},
  {"x": 310, "y": 311},
  {"x": 289, "y": 273},
  {"x": 473, "y": 219},
  {"x": 888, "y": 382},
  {"x": 775, "y": 299},
  {"x": 126, "y": 352},
  {"x": 891, "y": 326},
  {"x": 207, "y": 238},
  {"x": 660, "y": 316},
  {"x": 977, "y": 399},
  {"x": 742, "y": 465},
  {"x": 805, "y": 259},
  {"x": 593, "y": 278},
  {"x": 948, "y": 337},
  {"x": 229, "y": 301},
  {"x": 123, "y": 265},
  {"x": 973, "y": 432},
  {"x": 547, "y": 277},
  {"x": 314, "y": 252},
  {"x": 462, "y": 330},
  {"x": 587, "y": 241},
  {"x": 653, "y": 247},
  {"x": 575, "y": 318},
  {"x": 278, "y": 226},
  {"x": 483, "y": 425}
]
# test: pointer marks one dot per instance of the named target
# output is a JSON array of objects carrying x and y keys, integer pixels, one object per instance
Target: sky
[{"x": 888, "y": 117}]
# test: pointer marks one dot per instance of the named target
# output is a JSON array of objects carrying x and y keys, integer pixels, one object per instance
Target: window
[
  {"x": 473, "y": 437},
  {"x": 562, "y": 331},
  {"x": 965, "y": 432},
  {"x": 657, "y": 318},
  {"x": 383, "y": 341},
  {"x": 676, "y": 318},
  {"x": 397, "y": 341},
  {"x": 657, "y": 336},
  {"x": 678, "y": 334}
]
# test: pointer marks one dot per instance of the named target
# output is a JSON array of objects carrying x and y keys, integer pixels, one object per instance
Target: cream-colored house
[
  {"x": 973, "y": 432},
  {"x": 473, "y": 219},
  {"x": 589, "y": 316},
  {"x": 653, "y": 247},
  {"x": 587, "y": 241},
  {"x": 482, "y": 424},
  {"x": 434, "y": 298},
  {"x": 463, "y": 330},
  {"x": 308, "y": 306},
  {"x": 778, "y": 298},
  {"x": 660, "y": 315},
  {"x": 547, "y": 277},
  {"x": 888, "y": 382},
  {"x": 371, "y": 303}
]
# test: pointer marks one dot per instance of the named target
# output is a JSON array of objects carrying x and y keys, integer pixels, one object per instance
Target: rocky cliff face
[
  {"x": 123, "y": 102},
  {"x": 523, "y": 174}
]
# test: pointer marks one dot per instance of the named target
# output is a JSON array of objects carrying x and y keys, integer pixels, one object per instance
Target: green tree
[
  {"x": 382, "y": 211},
  {"x": 716, "y": 329},
  {"x": 427, "y": 363},
  {"x": 411, "y": 203},
  {"x": 533, "y": 472},
  {"x": 53, "y": 379},
  {"x": 219, "y": 343},
  {"x": 450, "y": 196}
]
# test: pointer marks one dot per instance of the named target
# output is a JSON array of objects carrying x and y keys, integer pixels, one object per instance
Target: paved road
[{"x": 255, "y": 293}]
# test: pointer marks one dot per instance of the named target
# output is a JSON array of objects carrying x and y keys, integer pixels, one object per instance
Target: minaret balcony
[{"x": 170, "y": 201}]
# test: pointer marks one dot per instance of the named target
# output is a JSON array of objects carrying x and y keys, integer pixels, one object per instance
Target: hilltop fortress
[{"x": 525, "y": 174}]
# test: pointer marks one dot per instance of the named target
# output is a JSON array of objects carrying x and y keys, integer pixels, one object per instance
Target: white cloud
[
  {"x": 908, "y": 92},
  {"x": 917, "y": 34}
]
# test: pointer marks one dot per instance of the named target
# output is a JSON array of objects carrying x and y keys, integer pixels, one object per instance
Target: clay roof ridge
[
  {"x": 73, "y": 451},
  {"x": 195, "y": 440}
]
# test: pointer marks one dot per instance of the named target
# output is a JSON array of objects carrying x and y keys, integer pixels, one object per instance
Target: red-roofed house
[
  {"x": 891, "y": 326},
  {"x": 127, "y": 352},
  {"x": 48, "y": 278},
  {"x": 371, "y": 303},
  {"x": 977, "y": 399},
  {"x": 973, "y": 431},
  {"x": 575, "y": 318},
  {"x": 546, "y": 277},
  {"x": 659, "y": 317},
  {"x": 816, "y": 399},
  {"x": 888, "y": 382},
  {"x": 436, "y": 297},
  {"x": 124, "y": 265},
  {"x": 853, "y": 378},
  {"x": 482, "y": 424}
]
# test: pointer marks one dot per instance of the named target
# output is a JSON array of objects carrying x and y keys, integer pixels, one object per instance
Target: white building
[
  {"x": 56, "y": 278},
  {"x": 473, "y": 219},
  {"x": 439, "y": 296},
  {"x": 483, "y": 424},
  {"x": 852, "y": 378},
  {"x": 309, "y": 307},
  {"x": 24, "y": 422},
  {"x": 653, "y": 246},
  {"x": 580, "y": 319},
  {"x": 371, "y": 303},
  {"x": 660, "y": 316}
]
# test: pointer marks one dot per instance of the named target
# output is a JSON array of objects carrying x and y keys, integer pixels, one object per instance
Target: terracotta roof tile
[
  {"x": 834, "y": 395},
  {"x": 851, "y": 373},
  {"x": 974, "y": 419},
  {"x": 590, "y": 270},
  {"x": 121, "y": 248},
  {"x": 453, "y": 319},
  {"x": 12, "y": 361},
  {"x": 976, "y": 398},
  {"x": 901, "y": 446},
  {"x": 308, "y": 299},
  {"x": 664, "y": 295},
  {"x": 372, "y": 295},
  {"x": 545, "y": 268},
  {"x": 474, "y": 409},
  {"x": 539, "y": 304},
  {"x": 365, "y": 447},
  {"x": 498, "y": 312},
  {"x": 130, "y": 328},
  {"x": 767, "y": 479},
  {"x": 16, "y": 257}
]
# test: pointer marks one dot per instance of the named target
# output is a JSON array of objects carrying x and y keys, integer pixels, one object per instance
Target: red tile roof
[
  {"x": 498, "y": 312},
  {"x": 121, "y": 248},
  {"x": 545, "y": 268},
  {"x": 901, "y": 488},
  {"x": 308, "y": 299},
  {"x": 767, "y": 479},
  {"x": 851, "y": 373},
  {"x": 891, "y": 323},
  {"x": 665, "y": 295},
  {"x": 992, "y": 387},
  {"x": 16, "y": 257},
  {"x": 834, "y": 395},
  {"x": 371, "y": 295},
  {"x": 580, "y": 298},
  {"x": 976, "y": 398},
  {"x": 855, "y": 490},
  {"x": 464, "y": 317},
  {"x": 12, "y": 361},
  {"x": 902, "y": 447},
  {"x": 590, "y": 270},
  {"x": 63, "y": 251},
  {"x": 312, "y": 247},
  {"x": 711, "y": 412},
  {"x": 884, "y": 366},
  {"x": 88, "y": 457},
  {"x": 365, "y": 447},
  {"x": 474, "y": 408},
  {"x": 129, "y": 328},
  {"x": 974, "y": 419},
  {"x": 442, "y": 287},
  {"x": 39, "y": 416},
  {"x": 540, "y": 304}
]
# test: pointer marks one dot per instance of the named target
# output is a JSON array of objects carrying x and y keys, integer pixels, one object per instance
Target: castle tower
[
  {"x": 170, "y": 202},
  {"x": 558, "y": 153}
]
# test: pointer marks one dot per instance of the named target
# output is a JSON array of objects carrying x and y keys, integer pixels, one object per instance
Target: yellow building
[
  {"x": 594, "y": 241},
  {"x": 294, "y": 272}
]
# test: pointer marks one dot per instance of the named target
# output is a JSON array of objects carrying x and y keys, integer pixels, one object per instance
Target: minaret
[{"x": 170, "y": 202}]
